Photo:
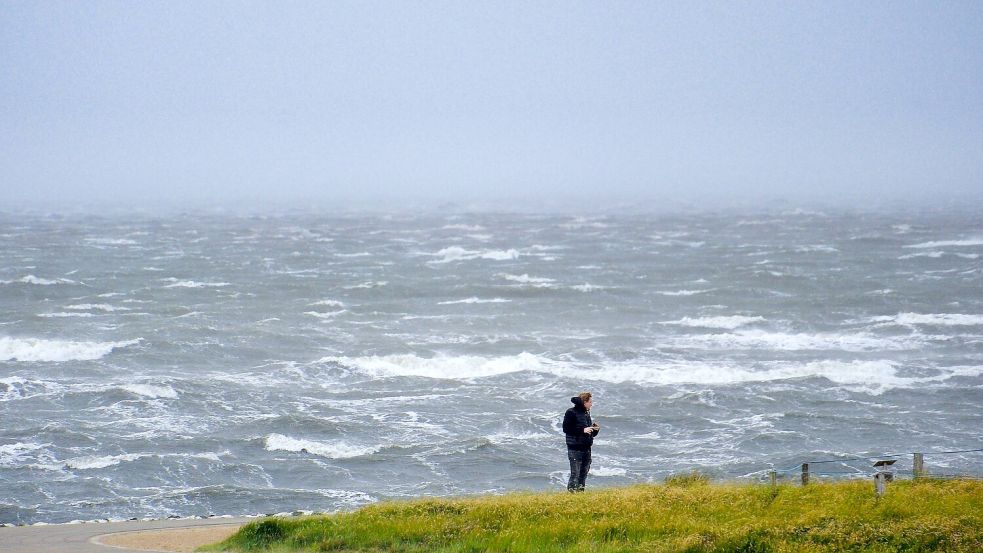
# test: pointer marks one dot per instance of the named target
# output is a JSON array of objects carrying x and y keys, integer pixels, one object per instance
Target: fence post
[
  {"x": 773, "y": 478},
  {"x": 919, "y": 465},
  {"x": 805, "y": 474},
  {"x": 879, "y": 483}
]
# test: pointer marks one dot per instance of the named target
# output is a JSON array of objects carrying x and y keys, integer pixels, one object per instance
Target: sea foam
[
  {"x": 474, "y": 300},
  {"x": 943, "y": 243},
  {"x": 95, "y": 307},
  {"x": 195, "y": 284},
  {"x": 331, "y": 450},
  {"x": 538, "y": 282},
  {"x": 441, "y": 366},
  {"x": 151, "y": 391},
  {"x": 729, "y": 323},
  {"x": 873, "y": 377},
  {"x": 457, "y": 253},
  {"x": 36, "y": 349},
  {"x": 94, "y": 462},
  {"x": 13, "y": 455},
  {"x": 782, "y": 341},
  {"x": 935, "y": 319},
  {"x": 31, "y": 279}
]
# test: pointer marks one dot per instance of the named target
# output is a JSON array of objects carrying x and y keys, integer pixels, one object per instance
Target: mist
[{"x": 553, "y": 106}]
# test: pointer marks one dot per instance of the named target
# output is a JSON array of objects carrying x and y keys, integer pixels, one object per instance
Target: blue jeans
[{"x": 579, "y": 465}]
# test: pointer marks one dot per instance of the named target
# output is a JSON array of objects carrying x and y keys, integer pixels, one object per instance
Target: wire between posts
[{"x": 885, "y": 456}]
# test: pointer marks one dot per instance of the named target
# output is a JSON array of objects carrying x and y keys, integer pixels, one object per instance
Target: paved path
[{"x": 81, "y": 538}]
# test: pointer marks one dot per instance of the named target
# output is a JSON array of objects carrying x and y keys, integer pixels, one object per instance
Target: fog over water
[{"x": 185, "y": 103}]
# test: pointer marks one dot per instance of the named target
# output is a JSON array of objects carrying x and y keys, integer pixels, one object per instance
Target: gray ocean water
[{"x": 197, "y": 364}]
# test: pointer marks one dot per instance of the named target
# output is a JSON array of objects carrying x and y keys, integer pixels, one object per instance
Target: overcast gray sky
[{"x": 321, "y": 101}]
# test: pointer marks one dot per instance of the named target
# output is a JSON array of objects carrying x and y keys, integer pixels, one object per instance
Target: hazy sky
[{"x": 231, "y": 101}]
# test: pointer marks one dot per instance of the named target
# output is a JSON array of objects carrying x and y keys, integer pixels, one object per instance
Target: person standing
[{"x": 580, "y": 431}]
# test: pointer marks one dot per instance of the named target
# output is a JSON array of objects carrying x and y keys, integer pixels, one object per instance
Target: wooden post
[
  {"x": 919, "y": 465},
  {"x": 879, "y": 484},
  {"x": 773, "y": 477},
  {"x": 805, "y": 474}
]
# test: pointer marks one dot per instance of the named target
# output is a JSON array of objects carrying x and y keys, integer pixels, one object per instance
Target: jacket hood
[{"x": 577, "y": 401}]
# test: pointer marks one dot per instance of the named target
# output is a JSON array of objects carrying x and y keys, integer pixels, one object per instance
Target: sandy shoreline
[
  {"x": 153, "y": 535},
  {"x": 183, "y": 540}
]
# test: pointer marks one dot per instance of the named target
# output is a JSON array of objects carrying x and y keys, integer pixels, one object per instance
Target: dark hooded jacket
[{"x": 575, "y": 420}]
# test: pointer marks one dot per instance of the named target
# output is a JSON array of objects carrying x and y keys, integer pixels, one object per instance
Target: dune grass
[{"x": 685, "y": 514}]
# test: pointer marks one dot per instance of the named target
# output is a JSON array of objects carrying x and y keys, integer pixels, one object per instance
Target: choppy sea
[{"x": 196, "y": 364}]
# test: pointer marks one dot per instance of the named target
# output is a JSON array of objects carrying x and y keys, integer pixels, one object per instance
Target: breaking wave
[
  {"x": 944, "y": 243},
  {"x": 442, "y": 366},
  {"x": 457, "y": 253},
  {"x": 31, "y": 279},
  {"x": 36, "y": 349},
  {"x": 729, "y": 323},
  {"x": 934, "y": 319},
  {"x": 474, "y": 300},
  {"x": 332, "y": 450}
]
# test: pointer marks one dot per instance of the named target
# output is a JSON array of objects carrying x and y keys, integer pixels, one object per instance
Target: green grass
[{"x": 686, "y": 514}]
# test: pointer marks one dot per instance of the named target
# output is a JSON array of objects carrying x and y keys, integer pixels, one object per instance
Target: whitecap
[
  {"x": 441, "y": 366},
  {"x": 936, "y": 319},
  {"x": 111, "y": 241},
  {"x": 359, "y": 254},
  {"x": 507, "y": 437},
  {"x": 581, "y": 222},
  {"x": 943, "y": 243},
  {"x": 95, "y": 307},
  {"x": 12, "y": 455},
  {"x": 474, "y": 300},
  {"x": 195, "y": 284},
  {"x": 780, "y": 341},
  {"x": 16, "y": 387},
  {"x": 725, "y": 322},
  {"x": 539, "y": 282},
  {"x": 682, "y": 292},
  {"x": 500, "y": 255},
  {"x": 873, "y": 377},
  {"x": 608, "y": 471},
  {"x": 37, "y": 349},
  {"x": 328, "y": 303},
  {"x": 367, "y": 285},
  {"x": 325, "y": 314},
  {"x": 151, "y": 391},
  {"x": 469, "y": 228},
  {"x": 820, "y": 248},
  {"x": 457, "y": 253},
  {"x": 93, "y": 462},
  {"x": 331, "y": 450},
  {"x": 31, "y": 279},
  {"x": 586, "y": 287}
]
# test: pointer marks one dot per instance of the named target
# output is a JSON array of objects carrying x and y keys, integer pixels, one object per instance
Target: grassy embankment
[{"x": 684, "y": 515}]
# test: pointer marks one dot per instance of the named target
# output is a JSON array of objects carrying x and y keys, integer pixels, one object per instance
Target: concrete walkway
[{"x": 84, "y": 538}]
